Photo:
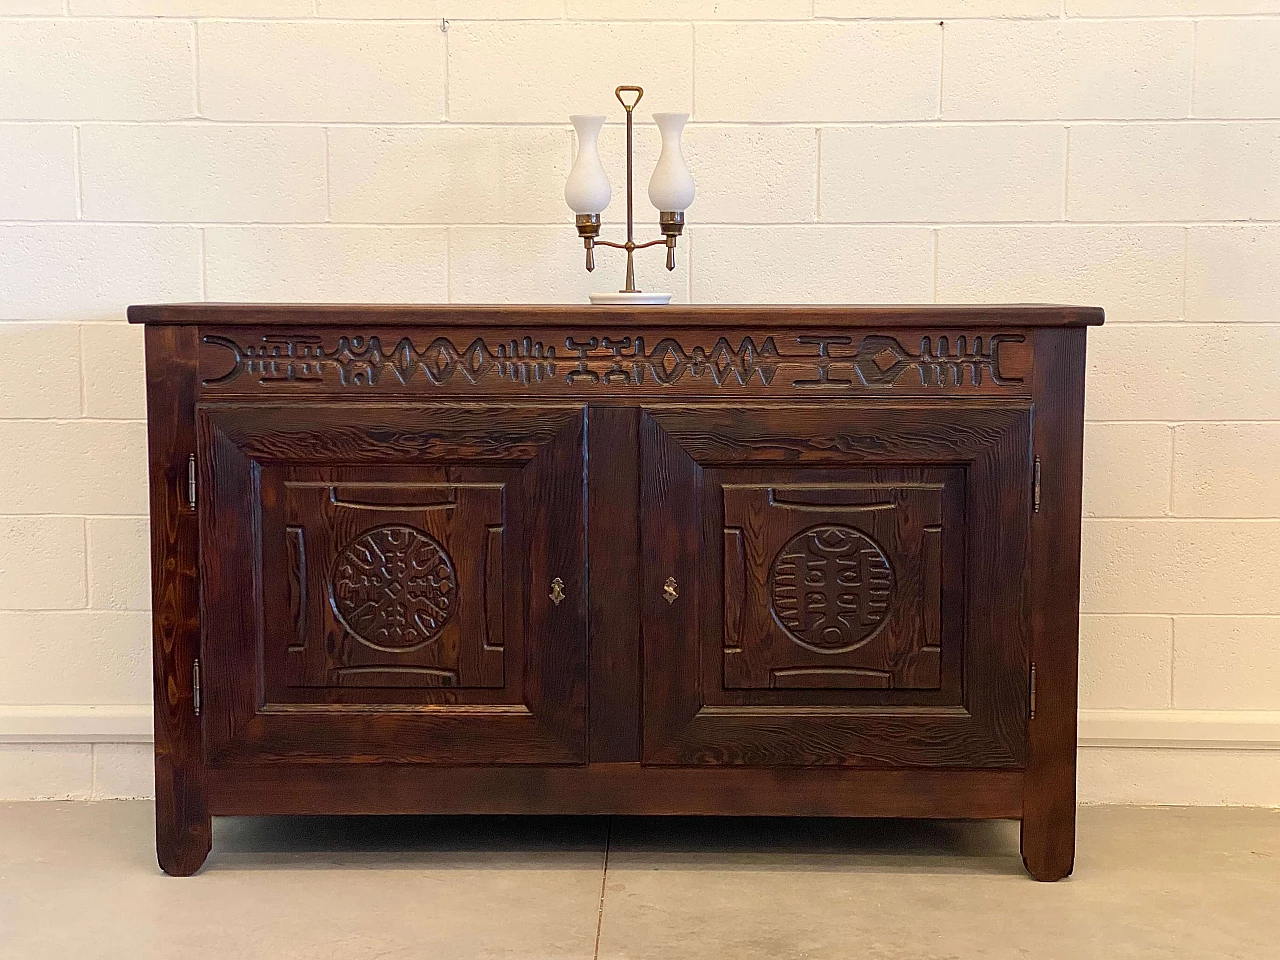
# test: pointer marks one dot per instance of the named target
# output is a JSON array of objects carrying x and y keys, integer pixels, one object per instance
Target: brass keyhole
[
  {"x": 557, "y": 591},
  {"x": 670, "y": 590}
]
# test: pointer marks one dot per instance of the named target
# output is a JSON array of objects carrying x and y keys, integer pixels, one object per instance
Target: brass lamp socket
[
  {"x": 588, "y": 224},
  {"x": 671, "y": 223}
]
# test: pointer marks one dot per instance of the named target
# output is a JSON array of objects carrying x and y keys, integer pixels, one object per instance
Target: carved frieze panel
[{"x": 420, "y": 362}]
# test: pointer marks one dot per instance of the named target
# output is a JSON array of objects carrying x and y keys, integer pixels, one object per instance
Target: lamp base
[{"x": 630, "y": 299}]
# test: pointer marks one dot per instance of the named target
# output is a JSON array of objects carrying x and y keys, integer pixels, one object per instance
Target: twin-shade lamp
[{"x": 587, "y": 192}]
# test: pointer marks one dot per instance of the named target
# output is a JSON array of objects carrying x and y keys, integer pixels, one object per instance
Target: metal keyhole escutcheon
[
  {"x": 670, "y": 590},
  {"x": 557, "y": 591}
]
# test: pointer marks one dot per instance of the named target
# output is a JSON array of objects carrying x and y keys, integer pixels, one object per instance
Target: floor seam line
[{"x": 604, "y": 878}]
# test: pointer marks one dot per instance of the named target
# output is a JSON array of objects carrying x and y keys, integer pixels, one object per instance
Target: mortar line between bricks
[
  {"x": 88, "y": 583},
  {"x": 939, "y": 122},
  {"x": 63, "y": 611},
  {"x": 817, "y": 176},
  {"x": 718, "y": 224},
  {"x": 1171, "y": 519},
  {"x": 304, "y": 19},
  {"x": 1195, "y": 55},
  {"x": 1166, "y": 615},
  {"x": 76, "y": 170},
  {"x": 74, "y": 516},
  {"x": 195, "y": 65},
  {"x": 328, "y": 179},
  {"x": 84, "y": 393}
]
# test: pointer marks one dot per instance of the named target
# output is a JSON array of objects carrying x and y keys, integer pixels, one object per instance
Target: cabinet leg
[
  {"x": 184, "y": 830},
  {"x": 1049, "y": 843}
]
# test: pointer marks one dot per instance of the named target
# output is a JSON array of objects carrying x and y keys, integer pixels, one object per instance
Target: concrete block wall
[{"x": 1115, "y": 152}]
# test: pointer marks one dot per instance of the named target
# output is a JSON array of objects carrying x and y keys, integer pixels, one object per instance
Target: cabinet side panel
[
  {"x": 1048, "y": 827},
  {"x": 183, "y": 833}
]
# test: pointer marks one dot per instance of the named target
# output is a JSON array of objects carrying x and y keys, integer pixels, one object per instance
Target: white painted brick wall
[
  {"x": 68, "y": 69},
  {"x": 203, "y": 173},
  {"x": 1130, "y": 473},
  {"x": 322, "y": 72},
  {"x": 94, "y": 654},
  {"x": 1118, "y": 152},
  {"x": 947, "y": 174},
  {"x": 1126, "y": 661},
  {"x": 326, "y": 263},
  {"x": 37, "y": 172},
  {"x": 817, "y": 72},
  {"x": 443, "y": 174},
  {"x": 1056, "y": 69}
]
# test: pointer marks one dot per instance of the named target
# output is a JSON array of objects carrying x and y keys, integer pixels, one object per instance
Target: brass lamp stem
[{"x": 631, "y": 239}]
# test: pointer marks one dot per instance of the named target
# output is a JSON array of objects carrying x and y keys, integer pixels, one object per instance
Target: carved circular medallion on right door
[{"x": 830, "y": 588}]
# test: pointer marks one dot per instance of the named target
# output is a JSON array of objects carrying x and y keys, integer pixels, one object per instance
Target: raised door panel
[
  {"x": 811, "y": 598},
  {"x": 378, "y": 578},
  {"x": 848, "y": 584},
  {"x": 391, "y": 582}
]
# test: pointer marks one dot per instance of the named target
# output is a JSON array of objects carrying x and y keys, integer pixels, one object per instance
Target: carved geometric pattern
[
  {"x": 393, "y": 588},
  {"x": 819, "y": 362},
  {"x": 830, "y": 588}
]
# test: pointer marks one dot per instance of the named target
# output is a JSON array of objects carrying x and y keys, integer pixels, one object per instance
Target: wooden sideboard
[{"x": 674, "y": 560}]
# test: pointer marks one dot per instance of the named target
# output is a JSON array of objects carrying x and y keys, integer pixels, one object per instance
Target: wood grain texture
[
  {"x": 390, "y": 433},
  {"x": 401, "y": 662},
  {"x": 183, "y": 829},
  {"x": 799, "y": 567},
  {"x": 457, "y": 315},
  {"x": 613, "y": 545},
  {"x": 617, "y": 788},
  {"x": 1049, "y": 817},
  {"x": 697, "y": 461}
]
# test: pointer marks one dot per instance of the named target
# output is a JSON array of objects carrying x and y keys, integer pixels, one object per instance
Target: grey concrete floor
[{"x": 78, "y": 880}]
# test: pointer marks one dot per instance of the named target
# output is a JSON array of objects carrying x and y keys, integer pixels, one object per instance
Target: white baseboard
[
  {"x": 1162, "y": 729},
  {"x": 76, "y": 723},
  {"x": 1181, "y": 729}
]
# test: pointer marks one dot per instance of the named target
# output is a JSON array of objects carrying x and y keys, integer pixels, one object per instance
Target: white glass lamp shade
[
  {"x": 587, "y": 190},
  {"x": 671, "y": 188}
]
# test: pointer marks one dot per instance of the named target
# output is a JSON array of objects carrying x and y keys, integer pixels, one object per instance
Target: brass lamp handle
[{"x": 638, "y": 91}]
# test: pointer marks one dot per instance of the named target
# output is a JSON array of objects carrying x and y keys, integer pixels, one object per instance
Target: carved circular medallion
[
  {"x": 393, "y": 588},
  {"x": 830, "y": 588}
]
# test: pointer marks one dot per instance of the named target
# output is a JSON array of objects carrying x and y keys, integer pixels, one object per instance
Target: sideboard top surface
[{"x": 479, "y": 315}]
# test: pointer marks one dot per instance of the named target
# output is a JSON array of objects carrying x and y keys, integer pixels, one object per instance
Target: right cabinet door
[{"x": 841, "y": 585}]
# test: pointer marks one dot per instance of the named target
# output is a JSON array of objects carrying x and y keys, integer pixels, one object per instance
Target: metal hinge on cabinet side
[
  {"x": 195, "y": 686},
  {"x": 1031, "y": 697},
  {"x": 1035, "y": 486},
  {"x": 191, "y": 481}
]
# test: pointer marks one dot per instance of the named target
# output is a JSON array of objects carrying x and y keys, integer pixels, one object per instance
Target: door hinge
[
  {"x": 191, "y": 481},
  {"x": 1035, "y": 486},
  {"x": 195, "y": 686},
  {"x": 1031, "y": 698}
]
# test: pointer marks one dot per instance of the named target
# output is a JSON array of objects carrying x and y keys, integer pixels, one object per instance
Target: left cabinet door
[{"x": 377, "y": 583}]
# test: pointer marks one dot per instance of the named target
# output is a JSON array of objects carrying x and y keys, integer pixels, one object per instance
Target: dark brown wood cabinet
[{"x": 679, "y": 560}]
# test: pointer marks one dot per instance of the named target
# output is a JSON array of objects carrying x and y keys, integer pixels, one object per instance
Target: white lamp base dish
[{"x": 630, "y": 299}]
